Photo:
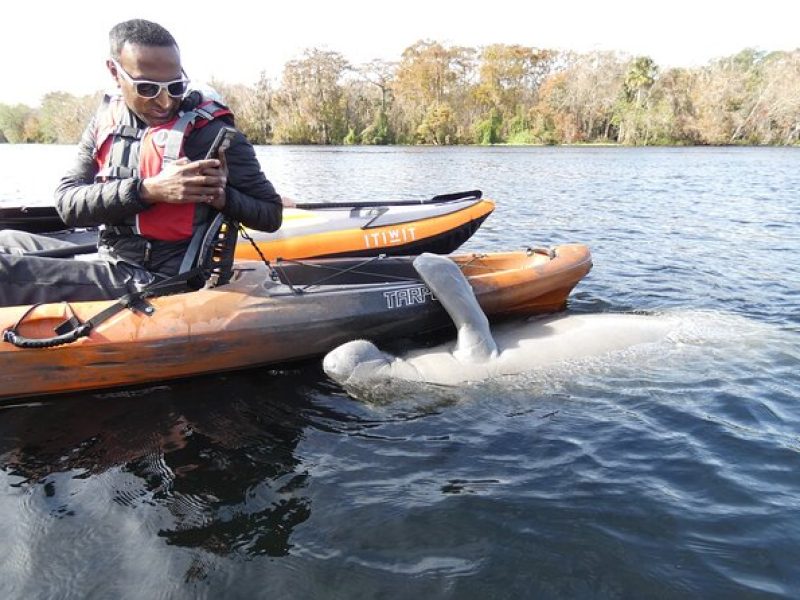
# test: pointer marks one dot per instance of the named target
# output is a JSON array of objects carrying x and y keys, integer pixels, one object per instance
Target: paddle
[
  {"x": 43, "y": 219},
  {"x": 472, "y": 194},
  {"x": 33, "y": 219},
  {"x": 64, "y": 252}
]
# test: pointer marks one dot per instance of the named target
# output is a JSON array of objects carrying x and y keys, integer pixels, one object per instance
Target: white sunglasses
[{"x": 151, "y": 89}]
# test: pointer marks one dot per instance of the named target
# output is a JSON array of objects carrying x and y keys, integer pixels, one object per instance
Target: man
[{"x": 141, "y": 175}]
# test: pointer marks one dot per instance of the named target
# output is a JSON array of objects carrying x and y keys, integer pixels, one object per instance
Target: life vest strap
[
  {"x": 125, "y": 152},
  {"x": 207, "y": 115},
  {"x": 129, "y": 132},
  {"x": 193, "y": 251},
  {"x": 177, "y": 134}
]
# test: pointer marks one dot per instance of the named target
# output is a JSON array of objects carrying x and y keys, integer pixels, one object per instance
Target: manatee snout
[{"x": 340, "y": 363}]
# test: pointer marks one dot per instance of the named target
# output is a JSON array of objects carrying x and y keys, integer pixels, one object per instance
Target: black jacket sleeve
[
  {"x": 251, "y": 198},
  {"x": 83, "y": 203}
]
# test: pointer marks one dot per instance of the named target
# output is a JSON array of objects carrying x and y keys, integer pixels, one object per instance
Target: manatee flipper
[{"x": 451, "y": 288}]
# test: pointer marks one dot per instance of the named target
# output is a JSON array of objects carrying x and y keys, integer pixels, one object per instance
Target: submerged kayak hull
[{"x": 296, "y": 311}]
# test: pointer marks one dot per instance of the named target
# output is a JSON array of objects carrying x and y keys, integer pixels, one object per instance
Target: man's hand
[
  {"x": 188, "y": 182},
  {"x": 221, "y": 172}
]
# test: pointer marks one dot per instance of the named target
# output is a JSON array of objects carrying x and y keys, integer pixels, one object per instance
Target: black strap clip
[{"x": 131, "y": 133}]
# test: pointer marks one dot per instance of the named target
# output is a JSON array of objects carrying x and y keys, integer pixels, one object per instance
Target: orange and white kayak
[
  {"x": 266, "y": 314},
  {"x": 402, "y": 229},
  {"x": 439, "y": 224}
]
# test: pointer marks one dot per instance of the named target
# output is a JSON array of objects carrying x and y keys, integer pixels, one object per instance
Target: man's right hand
[{"x": 183, "y": 182}]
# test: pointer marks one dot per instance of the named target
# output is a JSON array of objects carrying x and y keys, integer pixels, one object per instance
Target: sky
[{"x": 61, "y": 46}]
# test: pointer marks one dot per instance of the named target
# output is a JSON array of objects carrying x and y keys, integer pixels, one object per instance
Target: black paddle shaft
[
  {"x": 65, "y": 252},
  {"x": 33, "y": 219},
  {"x": 472, "y": 194}
]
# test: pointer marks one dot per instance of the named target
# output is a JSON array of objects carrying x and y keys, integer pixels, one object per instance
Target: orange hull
[{"x": 297, "y": 311}]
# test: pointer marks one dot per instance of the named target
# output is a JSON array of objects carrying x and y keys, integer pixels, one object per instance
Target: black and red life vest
[{"x": 124, "y": 150}]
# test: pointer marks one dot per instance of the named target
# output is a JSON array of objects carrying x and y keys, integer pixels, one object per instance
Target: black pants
[{"x": 32, "y": 279}]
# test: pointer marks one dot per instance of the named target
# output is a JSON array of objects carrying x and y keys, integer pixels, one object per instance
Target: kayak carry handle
[
  {"x": 20, "y": 341},
  {"x": 72, "y": 330}
]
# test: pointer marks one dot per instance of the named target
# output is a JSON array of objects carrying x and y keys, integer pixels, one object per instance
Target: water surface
[{"x": 669, "y": 471}]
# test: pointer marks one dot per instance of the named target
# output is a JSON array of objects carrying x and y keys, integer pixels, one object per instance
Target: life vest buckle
[{"x": 128, "y": 132}]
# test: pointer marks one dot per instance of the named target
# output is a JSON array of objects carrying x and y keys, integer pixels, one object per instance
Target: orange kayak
[
  {"x": 269, "y": 314},
  {"x": 394, "y": 230},
  {"x": 439, "y": 224}
]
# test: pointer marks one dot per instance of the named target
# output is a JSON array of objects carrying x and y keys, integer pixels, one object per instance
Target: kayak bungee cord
[
  {"x": 358, "y": 268},
  {"x": 339, "y": 271},
  {"x": 264, "y": 259}
]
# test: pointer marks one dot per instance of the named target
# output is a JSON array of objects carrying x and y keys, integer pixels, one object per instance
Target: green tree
[
  {"x": 631, "y": 111},
  {"x": 439, "y": 94},
  {"x": 312, "y": 101},
  {"x": 722, "y": 96},
  {"x": 429, "y": 78},
  {"x": 640, "y": 77},
  {"x": 509, "y": 77},
  {"x": 379, "y": 75},
  {"x": 769, "y": 111},
  {"x": 63, "y": 117},
  {"x": 13, "y": 121},
  {"x": 551, "y": 120},
  {"x": 378, "y": 132},
  {"x": 674, "y": 93},
  {"x": 351, "y": 138},
  {"x": 438, "y": 127},
  {"x": 488, "y": 130},
  {"x": 778, "y": 119},
  {"x": 252, "y": 106}
]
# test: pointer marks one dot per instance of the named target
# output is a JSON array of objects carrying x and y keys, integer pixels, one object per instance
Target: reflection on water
[{"x": 218, "y": 456}]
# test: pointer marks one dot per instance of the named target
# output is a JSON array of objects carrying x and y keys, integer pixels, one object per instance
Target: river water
[{"x": 668, "y": 471}]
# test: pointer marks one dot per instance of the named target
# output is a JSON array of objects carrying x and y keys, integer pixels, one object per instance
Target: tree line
[{"x": 514, "y": 94}]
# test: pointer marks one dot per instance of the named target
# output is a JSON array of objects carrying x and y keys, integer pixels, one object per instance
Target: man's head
[{"x": 144, "y": 55}]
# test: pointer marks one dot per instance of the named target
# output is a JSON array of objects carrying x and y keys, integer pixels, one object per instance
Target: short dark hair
[{"x": 140, "y": 32}]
